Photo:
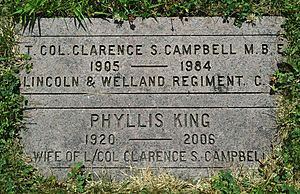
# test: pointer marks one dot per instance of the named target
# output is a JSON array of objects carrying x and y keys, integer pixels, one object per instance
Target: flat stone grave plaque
[{"x": 190, "y": 96}]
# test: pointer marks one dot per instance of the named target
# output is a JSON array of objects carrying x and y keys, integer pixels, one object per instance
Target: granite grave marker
[{"x": 190, "y": 96}]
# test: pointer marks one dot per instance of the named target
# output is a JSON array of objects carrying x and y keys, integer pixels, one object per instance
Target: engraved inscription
[{"x": 197, "y": 97}]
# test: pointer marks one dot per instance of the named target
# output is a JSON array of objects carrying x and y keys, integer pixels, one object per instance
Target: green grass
[{"x": 280, "y": 173}]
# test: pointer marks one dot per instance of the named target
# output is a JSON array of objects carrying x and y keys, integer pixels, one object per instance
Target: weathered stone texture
[{"x": 189, "y": 96}]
